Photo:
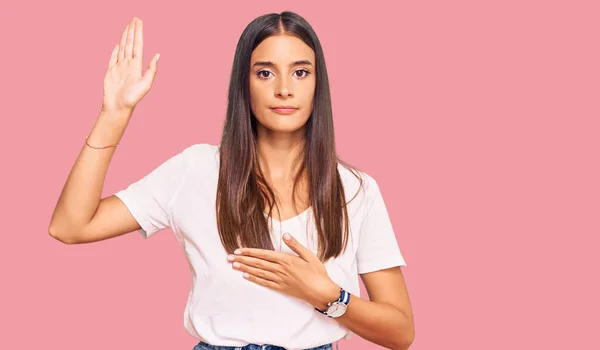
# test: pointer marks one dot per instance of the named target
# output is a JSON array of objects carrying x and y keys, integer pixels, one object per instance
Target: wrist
[
  {"x": 115, "y": 114},
  {"x": 109, "y": 128},
  {"x": 330, "y": 294}
]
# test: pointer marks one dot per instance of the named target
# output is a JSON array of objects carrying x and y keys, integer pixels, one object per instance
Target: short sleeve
[
  {"x": 150, "y": 198},
  {"x": 378, "y": 247}
]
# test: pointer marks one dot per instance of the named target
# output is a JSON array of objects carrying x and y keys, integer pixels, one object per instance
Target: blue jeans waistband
[{"x": 206, "y": 346}]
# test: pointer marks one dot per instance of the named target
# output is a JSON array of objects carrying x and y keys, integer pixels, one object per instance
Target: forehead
[{"x": 281, "y": 50}]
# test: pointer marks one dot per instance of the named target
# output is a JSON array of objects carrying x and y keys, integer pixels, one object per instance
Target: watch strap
[{"x": 344, "y": 298}]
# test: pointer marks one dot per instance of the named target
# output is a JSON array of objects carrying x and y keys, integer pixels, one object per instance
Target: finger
[
  {"x": 138, "y": 40},
  {"x": 151, "y": 71},
  {"x": 122, "y": 43},
  {"x": 129, "y": 42},
  {"x": 114, "y": 56},
  {"x": 264, "y": 274},
  {"x": 298, "y": 248},
  {"x": 264, "y": 254},
  {"x": 258, "y": 263},
  {"x": 261, "y": 281}
]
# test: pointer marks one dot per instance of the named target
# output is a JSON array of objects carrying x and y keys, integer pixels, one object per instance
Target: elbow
[
  {"x": 406, "y": 335},
  {"x": 61, "y": 237},
  {"x": 404, "y": 342}
]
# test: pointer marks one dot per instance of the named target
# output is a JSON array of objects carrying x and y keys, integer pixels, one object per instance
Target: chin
[
  {"x": 283, "y": 123},
  {"x": 283, "y": 127}
]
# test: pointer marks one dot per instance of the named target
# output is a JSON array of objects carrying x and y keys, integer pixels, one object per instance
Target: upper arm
[
  {"x": 112, "y": 219},
  {"x": 387, "y": 286},
  {"x": 379, "y": 259},
  {"x": 378, "y": 247},
  {"x": 143, "y": 206}
]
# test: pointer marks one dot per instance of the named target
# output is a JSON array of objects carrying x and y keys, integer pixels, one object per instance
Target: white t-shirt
[{"x": 223, "y": 308}]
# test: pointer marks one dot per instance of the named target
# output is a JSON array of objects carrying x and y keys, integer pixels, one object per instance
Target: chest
[{"x": 290, "y": 203}]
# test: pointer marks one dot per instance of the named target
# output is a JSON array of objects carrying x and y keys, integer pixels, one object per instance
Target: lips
[{"x": 284, "y": 109}]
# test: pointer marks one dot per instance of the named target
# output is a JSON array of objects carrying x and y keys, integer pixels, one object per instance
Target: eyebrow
[{"x": 270, "y": 64}]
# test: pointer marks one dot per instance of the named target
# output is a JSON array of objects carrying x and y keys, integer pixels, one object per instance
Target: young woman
[{"x": 275, "y": 227}]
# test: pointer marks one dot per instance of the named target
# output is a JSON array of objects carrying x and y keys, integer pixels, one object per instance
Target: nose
[{"x": 283, "y": 89}]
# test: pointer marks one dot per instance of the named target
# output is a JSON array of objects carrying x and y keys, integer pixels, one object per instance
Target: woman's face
[{"x": 282, "y": 73}]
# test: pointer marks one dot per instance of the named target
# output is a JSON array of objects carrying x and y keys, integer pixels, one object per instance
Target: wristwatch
[{"x": 338, "y": 307}]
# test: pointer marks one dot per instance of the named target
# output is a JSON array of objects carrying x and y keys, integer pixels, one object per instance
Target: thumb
[
  {"x": 150, "y": 73},
  {"x": 298, "y": 248}
]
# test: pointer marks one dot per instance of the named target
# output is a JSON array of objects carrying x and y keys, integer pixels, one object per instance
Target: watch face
[{"x": 337, "y": 309}]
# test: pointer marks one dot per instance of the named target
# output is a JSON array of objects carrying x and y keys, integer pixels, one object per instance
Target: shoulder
[
  {"x": 202, "y": 154},
  {"x": 198, "y": 158},
  {"x": 358, "y": 185},
  {"x": 203, "y": 150}
]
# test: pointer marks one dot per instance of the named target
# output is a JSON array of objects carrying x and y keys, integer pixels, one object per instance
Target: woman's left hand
[{"x": 303, "y": 276}]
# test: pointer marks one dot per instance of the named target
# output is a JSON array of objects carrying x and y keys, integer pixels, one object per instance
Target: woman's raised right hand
[{"x": 124, "y": 83}]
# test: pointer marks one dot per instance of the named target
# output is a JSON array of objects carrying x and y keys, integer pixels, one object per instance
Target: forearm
[
  {"x": 82, "y": 191},
  {"x": 379, "y": 323}
]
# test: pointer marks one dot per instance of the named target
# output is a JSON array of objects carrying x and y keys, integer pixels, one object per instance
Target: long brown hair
[{"x": 242, "y": 192}]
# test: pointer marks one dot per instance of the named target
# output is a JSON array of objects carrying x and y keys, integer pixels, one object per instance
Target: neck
[{"x": 280, "y": 154}]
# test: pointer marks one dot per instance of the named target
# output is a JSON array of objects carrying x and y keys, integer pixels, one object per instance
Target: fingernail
[
  {"x": 157, "y": 57},
  {"x": 236, "y": 264},
  {"x": 237, "y": 251},
  {"x": 230, "y": 257},
  {"x": 287, "y": 236}
]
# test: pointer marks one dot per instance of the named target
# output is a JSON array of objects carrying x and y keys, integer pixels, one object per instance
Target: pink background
[{"x": 480, "y": 121}]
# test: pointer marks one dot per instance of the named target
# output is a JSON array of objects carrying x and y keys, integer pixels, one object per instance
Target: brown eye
[
  {"x": 306, "y": 73},
  {"x": 261, "y": 75}
]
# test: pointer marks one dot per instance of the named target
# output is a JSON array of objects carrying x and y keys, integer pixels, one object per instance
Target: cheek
[
  {"x": 308, "y": 98},
  {"x": 308, "y": 91},
  {"x": 255, "y": 98}
]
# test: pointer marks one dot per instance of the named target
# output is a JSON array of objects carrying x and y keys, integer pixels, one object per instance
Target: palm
[{"x": 124, "y": 83}]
